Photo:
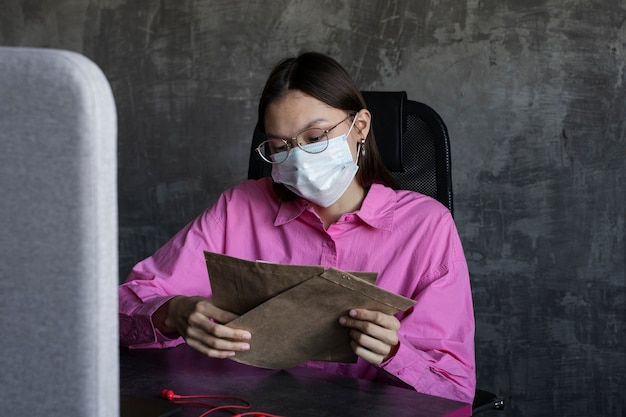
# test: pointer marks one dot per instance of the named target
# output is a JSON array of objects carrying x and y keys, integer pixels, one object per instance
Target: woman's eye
[
  {"x": 276, "y": 146},
  {"x": 314, "y": 137}
]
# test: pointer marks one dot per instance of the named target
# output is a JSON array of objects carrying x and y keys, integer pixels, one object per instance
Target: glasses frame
[{"x": 288, "y": 142}]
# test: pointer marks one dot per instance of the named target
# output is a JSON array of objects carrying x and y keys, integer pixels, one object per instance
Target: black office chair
[
  {"x": 486, "y": 401},
  {"x": 413, "y": 142}
]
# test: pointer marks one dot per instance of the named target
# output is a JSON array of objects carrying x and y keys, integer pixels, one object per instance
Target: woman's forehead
[{"x": 296, "y": 111}]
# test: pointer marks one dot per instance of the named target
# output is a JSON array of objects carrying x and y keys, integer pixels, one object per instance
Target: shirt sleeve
[
  {"x": 177, "y": 268},
  {"x": 436, "y": 352}
]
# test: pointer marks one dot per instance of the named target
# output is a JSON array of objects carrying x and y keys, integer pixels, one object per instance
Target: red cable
[{"x": 188, "y": 400}]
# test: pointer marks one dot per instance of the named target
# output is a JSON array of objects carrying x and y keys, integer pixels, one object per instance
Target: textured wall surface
[{"x": 534, "y": 95}]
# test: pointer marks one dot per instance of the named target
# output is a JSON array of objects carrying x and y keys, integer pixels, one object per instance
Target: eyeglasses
[{"x": 313, "y": 140}]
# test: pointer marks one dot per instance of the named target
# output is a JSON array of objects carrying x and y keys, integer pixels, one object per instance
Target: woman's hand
[
  {"x": 198, "y": 321},
  {"x": 374, "y": 334}
]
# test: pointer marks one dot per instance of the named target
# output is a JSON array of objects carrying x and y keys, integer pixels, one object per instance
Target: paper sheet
[{"x": 293, "y": 311}]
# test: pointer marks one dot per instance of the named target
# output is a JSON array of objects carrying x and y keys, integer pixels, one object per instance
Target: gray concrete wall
[{"x": 534, "y": 95}]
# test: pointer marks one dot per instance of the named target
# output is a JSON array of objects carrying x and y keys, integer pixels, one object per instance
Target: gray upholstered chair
[{"x": 58, "y": 236}]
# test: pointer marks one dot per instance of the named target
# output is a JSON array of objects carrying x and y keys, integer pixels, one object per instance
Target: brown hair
[{"x": 323, "y": 78}]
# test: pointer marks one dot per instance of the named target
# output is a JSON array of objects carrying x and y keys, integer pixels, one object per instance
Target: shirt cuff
[
  {"x": 404, "y": 367},
  {"x": 138, "y": 331}
]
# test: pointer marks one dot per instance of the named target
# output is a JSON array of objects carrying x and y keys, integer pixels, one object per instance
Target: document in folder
[{"x": 292, "y": 311}]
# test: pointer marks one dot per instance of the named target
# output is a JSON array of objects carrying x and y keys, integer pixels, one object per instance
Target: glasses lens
[
  {"x": 274, "y": 151},
  {"x": 313, "y": 140}
]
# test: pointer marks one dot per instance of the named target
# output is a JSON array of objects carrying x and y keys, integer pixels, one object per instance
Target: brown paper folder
[{"x": 293, "y": 311}]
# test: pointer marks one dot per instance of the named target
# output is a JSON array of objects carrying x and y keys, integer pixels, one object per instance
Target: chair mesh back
[
  {"x": 418, "y": 149},
  {"x": 425, "y": 154}
]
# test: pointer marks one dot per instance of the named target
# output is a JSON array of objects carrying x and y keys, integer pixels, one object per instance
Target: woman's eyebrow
[{"x": 312, "y": 123}]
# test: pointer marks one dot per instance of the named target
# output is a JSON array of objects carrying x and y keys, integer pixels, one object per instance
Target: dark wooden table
[{"x": 297, "y": 392}]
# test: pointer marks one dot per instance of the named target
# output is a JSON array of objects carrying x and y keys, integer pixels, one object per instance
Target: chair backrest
[
  {"x": 412, "y": 139},
  {"x": 58, "y": 236}
]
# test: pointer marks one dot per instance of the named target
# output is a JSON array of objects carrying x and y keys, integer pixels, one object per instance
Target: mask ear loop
[{"x": 360, "y": 150}]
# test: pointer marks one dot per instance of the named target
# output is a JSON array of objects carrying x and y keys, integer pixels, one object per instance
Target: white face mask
[{"x": 319, "y": 177}]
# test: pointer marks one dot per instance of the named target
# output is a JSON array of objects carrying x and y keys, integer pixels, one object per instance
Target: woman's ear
[{"x": 363, "y": 123}]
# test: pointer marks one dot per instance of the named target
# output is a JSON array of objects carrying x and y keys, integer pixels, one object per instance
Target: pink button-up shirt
[{"x": 408, "y": 238}]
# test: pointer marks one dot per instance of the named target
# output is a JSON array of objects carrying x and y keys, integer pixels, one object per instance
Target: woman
[{"x": 330, "y": 202}]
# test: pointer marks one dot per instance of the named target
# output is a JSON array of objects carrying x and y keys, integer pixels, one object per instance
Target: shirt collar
[
  {"x": 290, "y": 210},
  {"x": 377, "y": 209}
]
